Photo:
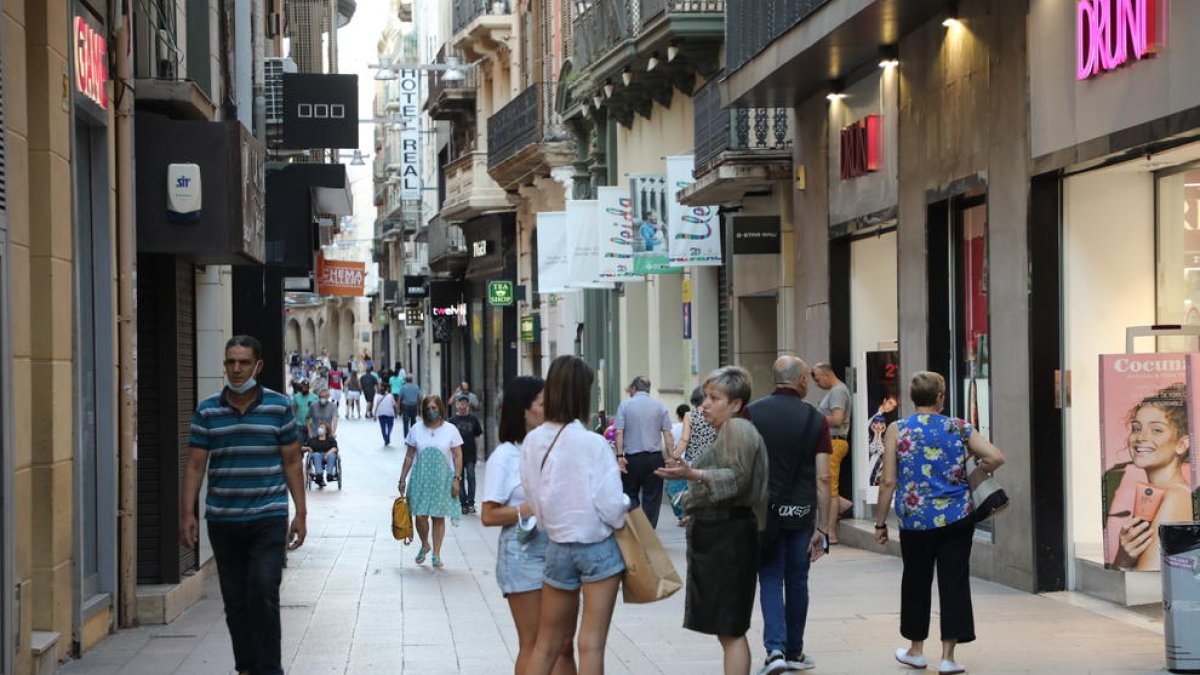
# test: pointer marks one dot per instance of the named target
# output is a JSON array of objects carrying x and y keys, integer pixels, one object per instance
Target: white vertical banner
[
  {"x": 554, "y": 260},
  {"x": 614, "y": 212},
  {"x": 693, "y": 232},
  {"x": 583, "y": 237},
  {"x": 408, "y": 84}
]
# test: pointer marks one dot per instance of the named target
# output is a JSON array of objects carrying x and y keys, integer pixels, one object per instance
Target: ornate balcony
[
  {"x": 482, "y": 27},
  {"x": 615, "y": 40},
  {"x": 738, "y": 150},
  {"x": 470, "y": 191},
  {"x": 525, "y": 139},
  {"x": 451, "y": 99},
  {"x": 447, "y": 248}
]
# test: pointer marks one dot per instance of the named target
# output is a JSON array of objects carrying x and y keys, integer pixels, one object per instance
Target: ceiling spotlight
[
  {"x": 888, "y": 58},
  {"x": 626, "y": 76},
  {"x": 952, "y": 19},
  {"x": 608, "y": 89},
  {"x": 672, "y": 52},
  {"x": 653, "y": 62},
  {"x": 835, "y": 91}
]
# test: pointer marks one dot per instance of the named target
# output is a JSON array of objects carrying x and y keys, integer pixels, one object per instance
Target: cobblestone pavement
[{"x": 355, "y": 602}]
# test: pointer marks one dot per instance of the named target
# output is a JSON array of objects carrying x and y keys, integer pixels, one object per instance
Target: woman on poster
[{"x": 1159, "y": 444}]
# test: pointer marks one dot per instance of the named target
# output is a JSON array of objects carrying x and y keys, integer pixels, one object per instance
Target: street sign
[
  {"x": 500, "y": 293},
  {"x": 529, "y": 328}
]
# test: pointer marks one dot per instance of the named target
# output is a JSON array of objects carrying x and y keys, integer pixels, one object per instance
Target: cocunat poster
[{"x": 1145, "y": 444}]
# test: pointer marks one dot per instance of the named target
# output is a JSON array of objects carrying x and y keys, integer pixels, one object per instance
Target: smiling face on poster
[{"x": 1146, "y": 452}]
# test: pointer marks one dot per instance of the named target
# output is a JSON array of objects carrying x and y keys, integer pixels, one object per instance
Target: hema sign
[{"x": 320, "y": 111}]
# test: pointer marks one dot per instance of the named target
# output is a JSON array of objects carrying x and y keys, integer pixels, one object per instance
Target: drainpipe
[{"x": 126, "y": 328}]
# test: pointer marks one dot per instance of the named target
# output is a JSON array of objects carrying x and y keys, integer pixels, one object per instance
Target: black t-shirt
[
  {"x": 322, "y": 446},
  {"x": 368, "y": 382},
  {"x": 468, "y": 428}
]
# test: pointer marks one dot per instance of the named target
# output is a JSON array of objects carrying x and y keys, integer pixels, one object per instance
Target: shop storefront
[
  {"x": 1118, "y": 192},
  {"x": 492, "y": 327}
]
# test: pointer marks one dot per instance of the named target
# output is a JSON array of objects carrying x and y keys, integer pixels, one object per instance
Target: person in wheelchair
[{"x": 323, "y": 459}]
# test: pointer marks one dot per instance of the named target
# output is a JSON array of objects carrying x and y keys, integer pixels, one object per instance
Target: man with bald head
[{"x": 798, "y": 449}]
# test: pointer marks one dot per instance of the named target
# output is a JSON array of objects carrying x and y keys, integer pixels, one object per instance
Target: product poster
[
  {"x": 881, "y": 372},
  {"x": 695, "y": 231},
  {"x": 583, "y": 243},
  {"x": 614, "y": 212},
  {"x": 648, "y": 197},
  {"x": 554, "y": 261},
  {"x": 1147, "y": 479}
]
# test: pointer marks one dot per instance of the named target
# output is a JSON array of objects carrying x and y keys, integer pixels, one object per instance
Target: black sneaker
[{"x": 466, "y": 510}]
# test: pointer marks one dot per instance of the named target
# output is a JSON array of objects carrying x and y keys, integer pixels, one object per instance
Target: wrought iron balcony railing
[
  {"x": 604, "y": 24},
  {"x": 466, "y": 11},
  {"x": 751, "y": 26},
  {"x": 652, "y": 9},
  {"x": 719, "y": 130},
  {"x": 438, "y": 85},
  {"x": 527, "y": 119}
]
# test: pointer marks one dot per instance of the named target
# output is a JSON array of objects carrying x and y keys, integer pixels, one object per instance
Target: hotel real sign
[{"x": 1112, "y": 33}]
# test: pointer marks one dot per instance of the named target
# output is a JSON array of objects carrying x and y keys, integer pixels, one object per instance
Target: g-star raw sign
[
  {"x": 91, "y": 62},
  {"x": 340, "y": 277},
  {"x": 1111, "y": 33}
]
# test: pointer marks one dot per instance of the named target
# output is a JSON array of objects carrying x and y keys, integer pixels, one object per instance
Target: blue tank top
[{"x": 931, "y": 477}]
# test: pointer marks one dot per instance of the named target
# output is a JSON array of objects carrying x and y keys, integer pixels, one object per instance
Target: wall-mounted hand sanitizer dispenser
[{"x": 183, "y": 193}]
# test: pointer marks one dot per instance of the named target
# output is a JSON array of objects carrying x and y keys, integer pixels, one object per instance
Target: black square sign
[{"x": 319, "y": 111}]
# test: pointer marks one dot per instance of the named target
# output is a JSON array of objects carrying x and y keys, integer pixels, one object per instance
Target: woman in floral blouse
[{"x": 925, "y": 457}]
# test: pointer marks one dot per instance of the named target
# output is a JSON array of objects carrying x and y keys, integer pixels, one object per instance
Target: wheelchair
[{"x": 310, "y": 470}]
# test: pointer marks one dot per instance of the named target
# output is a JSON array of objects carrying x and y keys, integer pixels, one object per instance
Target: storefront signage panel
[
  {"x": 340, "y": 277},
  {"x": 529, "y": 328},
  {"x": 862, "y": 147},
  {"x": 408, "y": 83},
  {"x": 756, "y": 235},
  {"x": 415, "y": 286},
  {"x": 500, "y": 293},
  {"x": 1111, "y": 33},
  {"x": 320, "y": 111},
  {"x": 91, "y": 60}
]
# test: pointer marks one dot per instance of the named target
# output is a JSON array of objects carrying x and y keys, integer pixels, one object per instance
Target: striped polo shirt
[{"x": 245, "y": 462}]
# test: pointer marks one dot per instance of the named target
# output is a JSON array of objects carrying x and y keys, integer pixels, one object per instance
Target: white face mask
[
  {"x": 324, "y": 401},
  {"x": 321, "y": 430}
]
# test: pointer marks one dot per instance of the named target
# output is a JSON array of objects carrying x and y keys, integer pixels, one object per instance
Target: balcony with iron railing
[
  {"x": 481, "y": 26},
  {"x": 470, "y": 191},
  {"x": 737, "y": 150},
  {"x": 447, "y": 248},
  {"x": 637, "y": 51},
  {"x": 451, "y": 99},
  {"x": 526, "y": 138},
  {"x": 753, "y": 25}
]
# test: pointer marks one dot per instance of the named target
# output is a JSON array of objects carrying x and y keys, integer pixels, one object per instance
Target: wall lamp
[
  {"x": 835, "y": 91},
  {"x": 952, "y": 19},
  {"x": 888, "y": 57}
]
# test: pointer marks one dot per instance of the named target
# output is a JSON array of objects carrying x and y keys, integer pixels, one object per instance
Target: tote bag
[{"x": 649, "y": 574}]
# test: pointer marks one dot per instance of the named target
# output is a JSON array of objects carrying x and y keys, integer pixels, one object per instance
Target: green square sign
[{"x": 500, "y": 293}]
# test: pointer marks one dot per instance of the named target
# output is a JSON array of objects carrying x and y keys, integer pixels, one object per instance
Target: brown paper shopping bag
[{"x": 649, "y": 574}]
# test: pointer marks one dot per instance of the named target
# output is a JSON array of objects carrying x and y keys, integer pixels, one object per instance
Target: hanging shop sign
[
  {"x": 340, "y": 277},
  {"x": 500, "y": 293},
  {"x": 408, "y": 84},
  {"x": 319, "y": 111},
  {"x": 91, "y": 59},
  {"x": 862, "y": 147},
  {"x": 416, "y": 286},
  {"x": 693, "y": 233},
  {"x": 756, "y": 235},
  {"x": 413, "y": 316},
  {"x": 480, "y": 248},
  {"x": 529, "y": 328},
  {"x": 1112, "y": 33}
]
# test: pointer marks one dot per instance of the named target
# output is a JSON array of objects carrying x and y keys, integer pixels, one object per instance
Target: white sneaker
[
  {"x": 805, "y": 662},
  {"x": 774, "y": 664},
  {"x": 948, "y": 667},
  {"x": 917, "y": 662}
]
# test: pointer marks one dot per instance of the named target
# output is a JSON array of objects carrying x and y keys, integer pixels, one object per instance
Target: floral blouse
[{"x": 931, "y": 462}]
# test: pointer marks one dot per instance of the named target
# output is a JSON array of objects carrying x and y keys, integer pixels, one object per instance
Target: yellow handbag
[{"x": 402, "y": 525}]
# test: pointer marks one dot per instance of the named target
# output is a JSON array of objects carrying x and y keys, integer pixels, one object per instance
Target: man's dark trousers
[
  {"x": 409, "y": 414},
  {"x": 250, "y": 568},
  {"x": 642, "y": 486}
]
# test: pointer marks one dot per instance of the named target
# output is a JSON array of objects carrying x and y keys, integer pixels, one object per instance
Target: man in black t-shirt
[
  {"x": 469, "y": 428},
  {"x": 368, "y": 381}
]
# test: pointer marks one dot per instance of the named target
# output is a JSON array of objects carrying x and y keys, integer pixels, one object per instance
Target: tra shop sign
[
  {"x": 1112, "y": 33},
  {"x": 862, "y": 147},
  {"x": 340, "y": 277},
  {"x": 91, "y": 60}
]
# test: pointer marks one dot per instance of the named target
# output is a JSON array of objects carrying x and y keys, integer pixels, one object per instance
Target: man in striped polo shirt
[{"x": 246, "y": 438}]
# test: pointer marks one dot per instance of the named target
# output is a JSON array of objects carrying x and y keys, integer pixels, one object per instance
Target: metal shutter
[
  {"x": 185, "y": 381},
  {"x": 3, "y": 159}
]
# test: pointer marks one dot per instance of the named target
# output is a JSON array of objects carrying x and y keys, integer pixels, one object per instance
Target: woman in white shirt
[
  {"x": 572, "y": 482},
  {"x": 435, "y": 459},
  {"x": 521, "y": 549},
  {"x": 385, "y": 411}
]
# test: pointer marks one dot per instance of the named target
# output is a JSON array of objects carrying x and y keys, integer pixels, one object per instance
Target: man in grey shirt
[
  {"x": 410, "y": 403},
  {"x": 322, "y": 412},
  {"x": 835, "y": 406},
  {"x": 642, "y": 424}
]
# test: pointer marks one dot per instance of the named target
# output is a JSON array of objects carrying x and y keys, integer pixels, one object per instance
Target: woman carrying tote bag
[{"x": 927, "y": 454}]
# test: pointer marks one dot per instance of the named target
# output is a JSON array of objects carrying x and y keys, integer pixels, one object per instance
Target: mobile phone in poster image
[{"x": 1146, "y": 469}]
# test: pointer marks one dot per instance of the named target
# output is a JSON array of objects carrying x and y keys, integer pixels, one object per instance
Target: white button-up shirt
[{"x": 577, "y": 496}]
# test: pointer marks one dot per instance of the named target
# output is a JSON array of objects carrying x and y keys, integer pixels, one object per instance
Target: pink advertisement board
[{"x": 1145, "y": 405}]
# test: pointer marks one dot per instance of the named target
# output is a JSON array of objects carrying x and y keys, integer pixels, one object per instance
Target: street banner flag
[
  {"x": 340, "y": 277},
  {"x": 554, "y": 260},
  {"x": 583, "y": 235},
  {"x": 648, "y": 199},
  {"x": 694, "y": 231},
  {"x": 614, "y": 212}
]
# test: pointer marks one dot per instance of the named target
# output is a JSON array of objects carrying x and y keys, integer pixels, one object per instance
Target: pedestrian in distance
[
  {"x": 409, "y": 399},
  {"x": 302, "y": 400},
  {"x": 322, "y": 412},
  {"x": 676, "y": 488},
  {"x": 798, "y": 449},
  {"x": 694, "y": 438},
  {"x": 435, "y": 461},
  {"x": 727, "y": 504},
  {"x": 643, "y": 440},
  {"x": 369, "y": 382},
  {"x": 244, "y": 439},
  {"x": 337, "y": 381},
  {"x": 927, "y": 452},
  {"x": 464, "y": 389},
  {"x": 385, "y": 412},
  {"x": 319, "y": 381},
  {"x": 574, "y": 486},
  {"x": 521, "y": 548},
  {"x": 353, "y": 396},
  {"x": 835, "y": 406},
  {"x": 470, "y": 429},
  {"x": 324, "y": 450}
]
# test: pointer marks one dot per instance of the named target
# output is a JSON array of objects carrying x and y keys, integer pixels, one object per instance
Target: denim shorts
[
  {"x": 519, "y": 566},
  {"x": 568, "y": 566}
]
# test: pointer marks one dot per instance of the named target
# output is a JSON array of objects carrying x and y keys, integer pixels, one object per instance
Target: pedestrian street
[{"x": 355, "y": 602}]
